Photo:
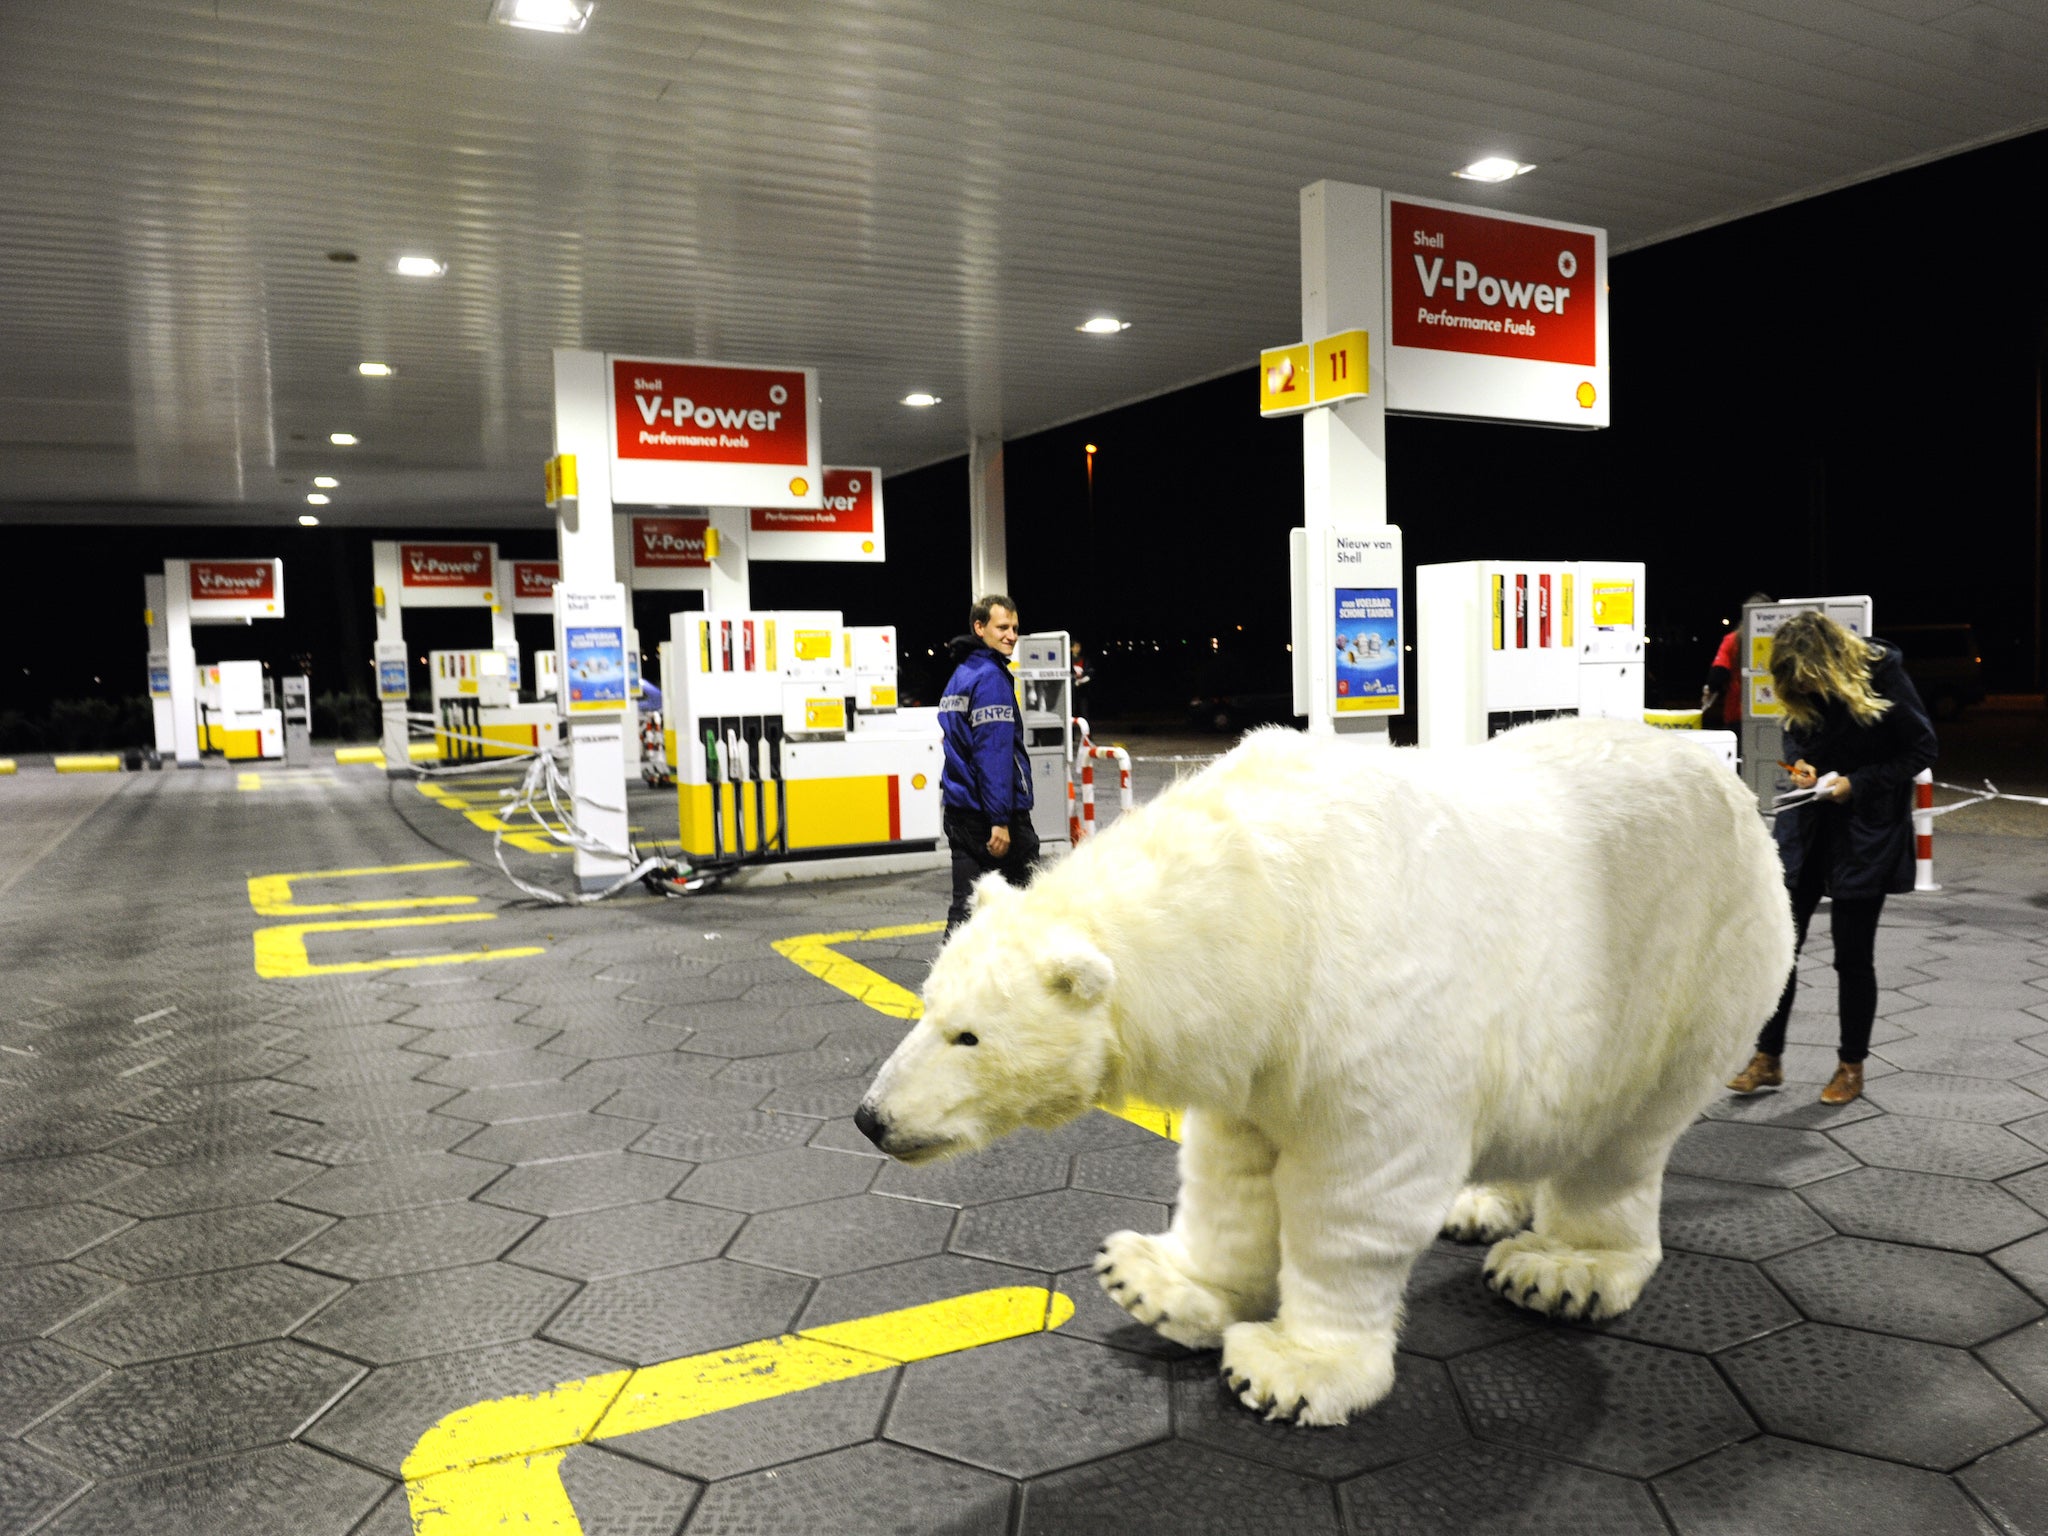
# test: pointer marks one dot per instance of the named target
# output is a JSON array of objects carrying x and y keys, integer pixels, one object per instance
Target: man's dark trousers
[{"x": 967, "y": 832}]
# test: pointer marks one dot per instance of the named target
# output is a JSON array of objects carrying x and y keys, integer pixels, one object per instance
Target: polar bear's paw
[
  {"x": 1322, "y": 1383},
  {"x": 1546, "y": 1276},
  {"x": 1485, "y": 1213},
  {"x": 1147, "y": 1277}
]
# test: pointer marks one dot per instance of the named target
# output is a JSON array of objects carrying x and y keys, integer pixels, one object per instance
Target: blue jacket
[{"x": 986, "y": 768}]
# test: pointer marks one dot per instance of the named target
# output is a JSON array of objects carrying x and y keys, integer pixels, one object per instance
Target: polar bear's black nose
[{"x": 868, "y": 1123}]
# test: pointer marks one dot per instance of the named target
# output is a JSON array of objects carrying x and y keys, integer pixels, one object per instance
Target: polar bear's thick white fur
[{"x": 1398, "y": 992}]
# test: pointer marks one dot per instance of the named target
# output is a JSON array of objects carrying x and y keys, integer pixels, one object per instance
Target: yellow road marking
[
  {"x": 246, "y": 782},
  {"x": 271, "y": 895},
  {"x": 814, "y": 952},
  {"x": 497, "y": 1465},
  {"x": 281, "y": 950},
  {"x": 359, "y": 755}
]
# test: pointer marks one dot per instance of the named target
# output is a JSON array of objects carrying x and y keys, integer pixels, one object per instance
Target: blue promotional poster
[
  {"x": 1368, "y": 671},
  {"x": 392, "y": 681},
  {"x": 159, "y": 682},
  {"x": 594, "y": 670}
]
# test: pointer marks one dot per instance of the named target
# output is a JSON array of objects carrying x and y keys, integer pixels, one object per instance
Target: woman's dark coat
[{"x": 1868, "y": 841}]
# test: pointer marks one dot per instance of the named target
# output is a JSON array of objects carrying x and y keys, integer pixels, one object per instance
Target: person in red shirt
[{"x": 1721, "y": 698}]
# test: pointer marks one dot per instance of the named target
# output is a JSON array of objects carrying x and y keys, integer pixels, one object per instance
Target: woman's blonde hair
[{"x": 1814, "y": 659}]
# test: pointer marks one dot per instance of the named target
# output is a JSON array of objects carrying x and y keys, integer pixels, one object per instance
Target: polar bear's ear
[{"x": 1073, "y": 966}]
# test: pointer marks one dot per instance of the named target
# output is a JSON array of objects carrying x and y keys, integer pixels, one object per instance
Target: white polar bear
[{"x": 1396, "y": 992}]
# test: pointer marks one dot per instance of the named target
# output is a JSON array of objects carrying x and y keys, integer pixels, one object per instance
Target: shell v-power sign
[
  {"x": 1489, "y": 315},
  {"x": 695, "y": 434}
]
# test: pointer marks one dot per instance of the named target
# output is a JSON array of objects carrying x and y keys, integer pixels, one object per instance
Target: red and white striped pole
[
  {"x": 1088, "y": 794},
  {"x": 1923, "y": 831}
]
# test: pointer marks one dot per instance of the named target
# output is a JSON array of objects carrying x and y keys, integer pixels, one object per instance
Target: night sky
[{"x": 1837, "y": 396}]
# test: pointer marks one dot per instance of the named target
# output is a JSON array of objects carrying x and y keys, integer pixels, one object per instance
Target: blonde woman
[{"x": 1850, "y": 712}]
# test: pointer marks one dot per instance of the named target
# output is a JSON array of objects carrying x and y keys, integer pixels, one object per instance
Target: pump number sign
[{"x": 699, "y": 434}]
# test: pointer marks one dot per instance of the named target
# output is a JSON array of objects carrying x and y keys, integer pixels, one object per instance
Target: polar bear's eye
[{"x": 966, "y": 1037}]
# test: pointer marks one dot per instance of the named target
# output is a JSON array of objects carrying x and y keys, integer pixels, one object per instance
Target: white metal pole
[
  {"x": 1343, "y": 447},
  {"x": 184, "y": 662},
  {"x": 583, "y": 533}
]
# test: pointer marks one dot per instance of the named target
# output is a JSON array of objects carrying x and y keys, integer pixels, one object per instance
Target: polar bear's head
[{"x": 1016, "y": 1032}]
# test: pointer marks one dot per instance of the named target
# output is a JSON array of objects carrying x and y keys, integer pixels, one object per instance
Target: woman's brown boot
[
  {"x": 1763, "y": 1071},
  {"x": 1846, "y": 1086}
]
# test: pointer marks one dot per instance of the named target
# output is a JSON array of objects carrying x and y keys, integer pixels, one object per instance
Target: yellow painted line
[
  {"x": 87, "y": 762},
  {"x": 359, "y": 755},
  {"x": 496, "y": 1465},
  {"x": 299, "y": 778},
  {"x": 271, "y": 895},
  {"x": 7, "y": 765},
  {"x": 423, "y": 751},
  {"x": 814, "y": 952},
  {"x": 281, "y": 951}
]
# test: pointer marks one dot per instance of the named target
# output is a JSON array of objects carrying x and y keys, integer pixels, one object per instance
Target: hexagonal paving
[
  {"x": 1031, "y": 1405},
  {"x": 195, "y": 1406},
  {"x": 1963, "y": 1214},
  {"x": 1893, "y": 1398},
  {"x": 594, "y": 1245},
  {"x": 1917, "y": 1293},
  {"x": 199, "y": 1312},
  {"x": 402, "y": 1242},
  {"x": 1624, "y": 1407},
  {"x": 684, "y": 1310},
  {"x": 835, "y": 1236},
  {"x": 247, "y": 1251}
]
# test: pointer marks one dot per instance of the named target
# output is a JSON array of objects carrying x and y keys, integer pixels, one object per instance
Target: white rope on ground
[
  {"x": 1989, "y": 792},
  {"x": 544, "y": 777}
]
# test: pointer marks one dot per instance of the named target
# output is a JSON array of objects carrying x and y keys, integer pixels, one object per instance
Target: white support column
[
  {"x": 1343, "y": 447},
  {"x": 988, "y": 547},
  {"x": 159, "y": 656},
  {"x": 504, "y": 636},
  {"x": 387, "y": 577},
  {"x": 184, "y": 662},
  {"x": 730, "y": 586},
  {"x": 583, "y": 534}
]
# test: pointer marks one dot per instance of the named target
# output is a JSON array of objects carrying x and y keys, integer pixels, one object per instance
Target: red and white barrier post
[
  {"x": 1923, "y": 831},
  {"x": 1088, "y": 753}
]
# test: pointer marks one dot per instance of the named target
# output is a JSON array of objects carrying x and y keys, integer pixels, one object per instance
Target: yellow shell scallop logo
[
  {"x": 800, "y": 486},
  {"x": 1587, "y": 395},
  {"x": 917, "y": 781},
  {"x": 867, "y": 547}
]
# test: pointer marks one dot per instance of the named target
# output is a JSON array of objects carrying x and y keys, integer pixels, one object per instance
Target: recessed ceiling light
[
  {"x": 920, "y": 398},
  {"x": 1103, "y": 325},
  {"x": 308, "y": 520},
  {"x": 543, "y": 15},
  {"x": 1493, "y": 168},
  {"x": 374, "y": 370},
  {"x": 326, "y": 482},
  {"x": 344, "y": 257},
  {"x": 419, "y": 266},
  {"x": 342, "y": 439},
  {"x": 315, "y": 499}
]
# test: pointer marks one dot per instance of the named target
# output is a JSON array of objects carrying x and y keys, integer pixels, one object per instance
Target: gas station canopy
[{"x": 206, "y": 204}]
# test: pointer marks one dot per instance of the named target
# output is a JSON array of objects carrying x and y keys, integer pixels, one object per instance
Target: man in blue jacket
[{"x": 986, "y": 786}]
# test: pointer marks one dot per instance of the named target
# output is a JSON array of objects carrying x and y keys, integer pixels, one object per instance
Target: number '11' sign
[{"x": 1309, "y": 374}]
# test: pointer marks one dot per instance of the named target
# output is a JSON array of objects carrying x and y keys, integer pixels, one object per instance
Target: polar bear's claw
[
  {"x": 1145, "y": 1275},
  {"x": 1306, "y": 1384},
  {"x": 1547, "y": 1276},
  {"x": 1485, "y": 1213}
]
